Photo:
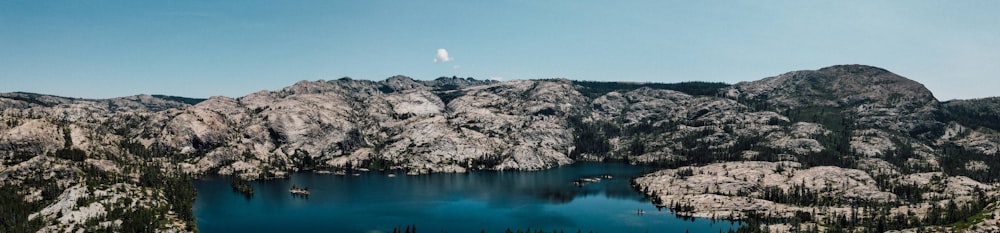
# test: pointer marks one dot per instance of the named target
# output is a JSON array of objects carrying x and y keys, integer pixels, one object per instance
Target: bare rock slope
[{"x": 843, "y": 147}]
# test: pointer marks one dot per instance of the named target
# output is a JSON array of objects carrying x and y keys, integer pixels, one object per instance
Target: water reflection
[{"x": 465, "y": 202}]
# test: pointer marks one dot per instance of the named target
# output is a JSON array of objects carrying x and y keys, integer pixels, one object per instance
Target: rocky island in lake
[
  {"x": 846, "y": 147},
  {"x": 299, "y": 191}
]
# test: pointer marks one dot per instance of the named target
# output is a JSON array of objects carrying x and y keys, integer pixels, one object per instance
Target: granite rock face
[
  {"x": 713, "y": 189},
  {"x": 871, "y": 96},
  {"x": 398, "y": 123},
  {"x": 847, "y": 133}
]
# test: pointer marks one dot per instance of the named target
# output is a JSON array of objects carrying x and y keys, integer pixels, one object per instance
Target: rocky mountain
[
  {"x": 22, "y": 100},
  {"x": 976, "y": 113},
  {"x": 870, "y": 96},
  {"x": 847, "y": 147}
]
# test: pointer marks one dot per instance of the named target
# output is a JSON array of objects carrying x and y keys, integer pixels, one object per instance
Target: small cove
[{"x": 466, "y": 202}]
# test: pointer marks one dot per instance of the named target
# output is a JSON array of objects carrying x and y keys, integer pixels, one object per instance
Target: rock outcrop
[
  {"x": 869, "y": 96},
  {"x": 842, "y": 135}
]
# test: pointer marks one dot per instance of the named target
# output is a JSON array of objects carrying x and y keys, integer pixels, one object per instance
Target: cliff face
[{"x": 883, "y": 129}]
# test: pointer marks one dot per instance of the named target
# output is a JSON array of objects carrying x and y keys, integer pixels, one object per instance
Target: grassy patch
[{"x": 968, "y": 222}]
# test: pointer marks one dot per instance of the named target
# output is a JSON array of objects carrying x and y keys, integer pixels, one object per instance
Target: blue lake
[{"x": 469, "y": 202}]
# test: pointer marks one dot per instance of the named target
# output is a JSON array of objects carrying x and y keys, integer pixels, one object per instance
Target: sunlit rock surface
[{"x": 846, "y": 133}]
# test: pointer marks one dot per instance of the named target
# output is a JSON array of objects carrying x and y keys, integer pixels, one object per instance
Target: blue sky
[{"x": 101, "y": 49}]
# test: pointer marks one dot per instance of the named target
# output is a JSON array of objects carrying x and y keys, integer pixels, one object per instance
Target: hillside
[{"x": 843, "y": 147}]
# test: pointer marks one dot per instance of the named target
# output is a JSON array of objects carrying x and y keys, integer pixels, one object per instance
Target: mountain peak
[
  {"x": 837, "y": 86},
  {"x": 872, "y": 96},
  {"x": 854, "y": 69}
]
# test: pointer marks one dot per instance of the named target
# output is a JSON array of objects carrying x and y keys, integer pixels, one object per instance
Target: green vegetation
[
  {"x": 971, "y": 220},
  {"x": 178, "y": 189},
  {"x": 242, "y": 186},
  {"x": 146, "y": 215},
  {"x": 32, "y": 98},
  {"x": 973, "y": 113},
  {"x": 145, "y": 166},
  {"x": 303, "y": 160},
  {"x": 838, "y": 153},
  {"x": 831, "y": 118},
  {"x": 595, "y": 89},
  {"x": 68, "y": 152},
  {"x": 448, "y": 96},
  {"x": 15, "y": 211},
  {"x": 487, "y": 161},
  {"x": 955, "y": 159},
  {"x": 191, "y": 101},
  {"x": 592, "y": 137},
  {"x": 952, "y": 215},
  {"x": 378, "y": 163},
  {"x": 72, "y": 154},
  {"x": 353, "y": 140}
]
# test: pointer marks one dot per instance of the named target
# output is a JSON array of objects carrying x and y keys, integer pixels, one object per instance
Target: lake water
[{"x": 458, "y": 203}]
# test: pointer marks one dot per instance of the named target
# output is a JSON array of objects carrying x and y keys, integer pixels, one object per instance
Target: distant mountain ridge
[
  {"x": 129, "y": 103},
  {"x": 889, "y": 132}
]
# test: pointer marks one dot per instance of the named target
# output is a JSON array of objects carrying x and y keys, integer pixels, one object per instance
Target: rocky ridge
[{"x": 848, "y": 134}]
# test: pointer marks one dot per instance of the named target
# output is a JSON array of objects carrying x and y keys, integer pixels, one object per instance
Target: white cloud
[
  {"x": 442, "y": 56},
  {"x": 497, "y": 78}
]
